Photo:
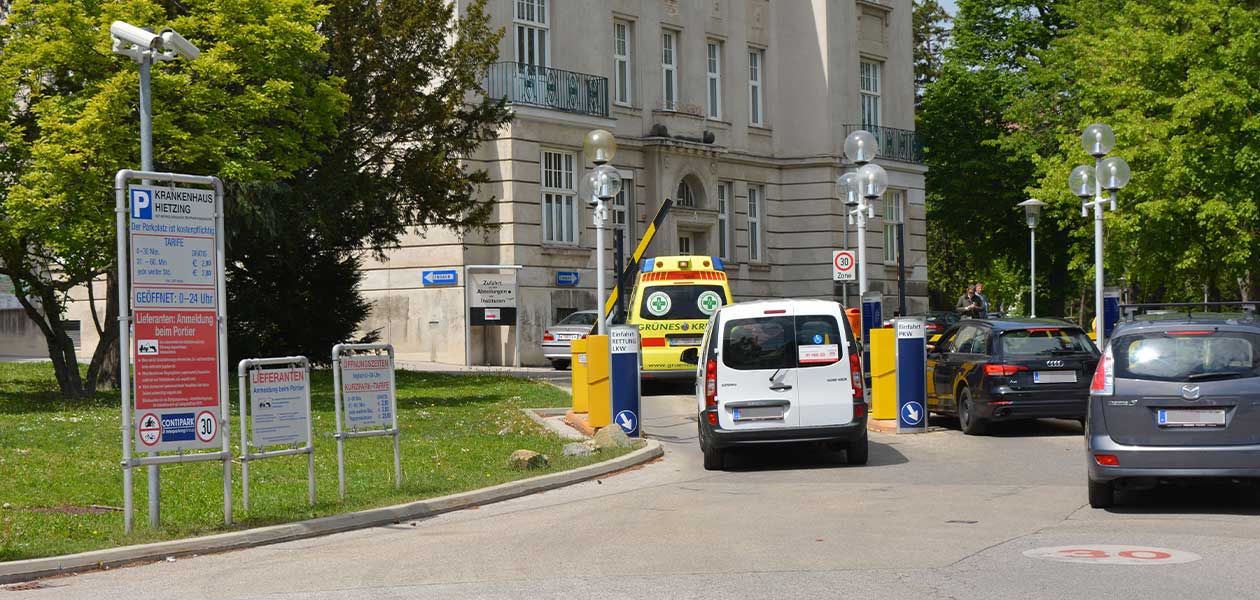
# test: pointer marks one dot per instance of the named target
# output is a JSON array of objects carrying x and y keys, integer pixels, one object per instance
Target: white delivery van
[{"x": 779, "y": 371}]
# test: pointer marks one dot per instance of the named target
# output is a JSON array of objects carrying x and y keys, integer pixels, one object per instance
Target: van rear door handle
[{"x": 780, "y": 387}]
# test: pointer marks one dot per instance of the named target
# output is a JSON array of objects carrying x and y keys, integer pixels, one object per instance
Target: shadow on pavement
[
  {"x": 1190, "y": 497},
  {"x": 788, "y": 457},
  {"x": 1025, "y": 428}
]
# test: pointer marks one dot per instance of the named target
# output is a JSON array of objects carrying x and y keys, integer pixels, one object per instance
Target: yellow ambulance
[{"x": 673, "y": 299}]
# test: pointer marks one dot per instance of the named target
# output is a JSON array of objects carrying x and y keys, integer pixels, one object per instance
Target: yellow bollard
[
  {"x": 599, "y": 392},
  {"x": 884, "y": 373},
  {"x": 577, "y": 374}
]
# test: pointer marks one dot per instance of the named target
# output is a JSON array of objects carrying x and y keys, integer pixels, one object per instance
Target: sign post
[
  {"x": 843, "y": 266},
  {"x": 171, "y": 239},
  {"x": 279, "y": 400},
  {"x": 365, "y": 400},
  {"x": 623, "y": 341},
  {"x": 912, "y": 414},
  {"x": 490, "y": 298},
  {"x": 872, "y": 318}
]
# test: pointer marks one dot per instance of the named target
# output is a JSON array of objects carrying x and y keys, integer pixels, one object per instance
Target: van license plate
[
  {"x": 685, "y": 341},
  {"x": 759, "y": 413},
  {"x": 1214, "y": 417},
  {"x": 1054, "y": 376}
]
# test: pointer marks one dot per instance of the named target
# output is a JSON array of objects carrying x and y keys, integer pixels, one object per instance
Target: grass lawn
[{"x": 58, "y": 459}]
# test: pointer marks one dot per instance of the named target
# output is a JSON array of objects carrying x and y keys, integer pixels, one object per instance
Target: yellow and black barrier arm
[{"x": 632, "y": 266}]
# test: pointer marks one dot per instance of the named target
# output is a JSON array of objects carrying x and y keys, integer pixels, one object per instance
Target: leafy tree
[
  {"x": 394, "y": 163},
  {"x": 1177, "y": 82},
  {"x": 930, "y": 23},
  {"x": 247, "y": 110},
  {"x": 974, "y": 182}
]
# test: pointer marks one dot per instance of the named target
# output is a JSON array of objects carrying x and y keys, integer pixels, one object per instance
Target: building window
[
  {"x": 531, "y": 33},
  {"x": 685, "y": 196},
  {"x": 894, "y": 202},
  {"x": 621, "y": 62},
  {"x": 715, "y": 80},
  {"x": 622, "y": 214},
  {"x": 685, "y": 244},
  {"x": 756, "y": 195},
  {"x": 669, "y": 70},
  {"x": 559, "y": 198},
  {"x": 724, "y": 240},
  {"x": 870, "y": 95},
  {"x": 756, "y": 60}
]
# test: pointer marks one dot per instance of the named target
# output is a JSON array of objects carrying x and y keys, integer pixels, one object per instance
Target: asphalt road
[{"x": 938, "y": 515}]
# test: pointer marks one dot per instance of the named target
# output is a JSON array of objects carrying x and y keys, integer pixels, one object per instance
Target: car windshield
[
  {"x": 1169, "y": 356},
  {"x": 1037, "y": 341},
  {"x": 691, "y": 302},
  {"x": 578, "y": 318}
]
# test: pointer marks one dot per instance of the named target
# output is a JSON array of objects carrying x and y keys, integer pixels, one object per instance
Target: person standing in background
[
  {"x": 982, "y": 302},
  {"x": 968, "y": 303}
]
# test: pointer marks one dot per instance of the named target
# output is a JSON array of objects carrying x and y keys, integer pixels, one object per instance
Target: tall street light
[
  {"x": 146, "y": 47},
  {"x": 1032, "y": 214},
  {"x": 861, "y": 190},
  {"x": 1110, "y": 175},
  {"x": 604, "y": 182}
]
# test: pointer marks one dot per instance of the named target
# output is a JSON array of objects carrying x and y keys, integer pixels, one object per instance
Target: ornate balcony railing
[
  {"x": 545, "y": 87},
  {"x": 894, "y": 144}
]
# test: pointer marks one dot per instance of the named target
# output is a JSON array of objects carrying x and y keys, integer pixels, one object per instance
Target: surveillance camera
[
  {"x": 176, "y": 42},
  {"x": 146, "y": 40}
]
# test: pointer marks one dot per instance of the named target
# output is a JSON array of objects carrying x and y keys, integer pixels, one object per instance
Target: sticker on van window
[
  {"x": 821, "y": 353},
  {"x": 659, "y": 303},
  {"x": 709, "y": 302}
]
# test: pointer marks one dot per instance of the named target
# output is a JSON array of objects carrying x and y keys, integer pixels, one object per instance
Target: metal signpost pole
[
  {"x": 467, "y": 322},
  {"x": 124, "y": 347},
  {"x": 146, "y": 164},
  {"x": 310, "y": 437},
  {"x": 516, "y": 321},
  {"x": 225, "y": 412},
  {"x": 241, "y": 369},
  {"x": 389, "y": 349},
  {"x": 337, "y": 410}
]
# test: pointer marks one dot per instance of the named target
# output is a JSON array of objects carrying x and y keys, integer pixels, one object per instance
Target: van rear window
[
  {"x": 782, "y": 342},
  {"x": 671, "y": 302},
  {"x": 1171, "y": 357}
]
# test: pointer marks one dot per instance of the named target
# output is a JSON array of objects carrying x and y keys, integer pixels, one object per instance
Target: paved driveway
[{"x": 940, "y": 515}]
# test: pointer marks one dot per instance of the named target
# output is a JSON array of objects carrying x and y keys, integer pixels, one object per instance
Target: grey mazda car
[{"x": 1176, "y": 395}]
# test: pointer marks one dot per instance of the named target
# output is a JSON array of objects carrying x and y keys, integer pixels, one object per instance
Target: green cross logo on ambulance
[{"x": 674, "y": 299}]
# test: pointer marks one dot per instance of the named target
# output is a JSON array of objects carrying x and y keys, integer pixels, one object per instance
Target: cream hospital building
[{"x": 735, "y": 109}]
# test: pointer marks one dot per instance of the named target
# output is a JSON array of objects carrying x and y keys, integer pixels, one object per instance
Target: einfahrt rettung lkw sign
[{"x": 172, "y": 234}]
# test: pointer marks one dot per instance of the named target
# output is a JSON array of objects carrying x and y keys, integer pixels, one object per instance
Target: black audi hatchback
[{"x": 985, "y": 370}]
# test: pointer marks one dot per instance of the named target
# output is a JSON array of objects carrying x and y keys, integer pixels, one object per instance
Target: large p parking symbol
[{"x": 141, "y": 204}]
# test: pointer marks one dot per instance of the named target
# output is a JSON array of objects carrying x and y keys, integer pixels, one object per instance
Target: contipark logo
[{"x": 141, "y": 204}]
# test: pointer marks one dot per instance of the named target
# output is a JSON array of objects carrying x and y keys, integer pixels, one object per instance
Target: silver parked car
[
  {"x": 555, "y": 341},
  {"x": 1175, "y": 395}
]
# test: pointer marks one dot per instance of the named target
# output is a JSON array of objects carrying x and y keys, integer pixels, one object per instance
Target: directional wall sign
[
  {"x": 173, "y": 296},
  {"x": 567, "y": 278},
  {"x": 492, "y": 298},
  {"x": 440, "y": 277}
]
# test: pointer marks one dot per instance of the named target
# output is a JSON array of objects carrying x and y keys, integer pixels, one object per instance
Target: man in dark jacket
[
  {"x": 968, "y": 304},
  {"x": 982, "y": 310}
]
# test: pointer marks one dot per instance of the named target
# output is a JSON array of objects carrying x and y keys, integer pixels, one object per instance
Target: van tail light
[
  {"x": 1003, "y": 370},
  {"x": 1107, "y": 460},
  {"x": 1104, "y": 382},
  {"x": 855, "y": 378},
  {"x": 547, "y": 337},
  {"x": 710, "y": 384}
]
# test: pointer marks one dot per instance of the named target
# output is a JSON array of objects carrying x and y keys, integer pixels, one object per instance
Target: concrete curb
[{"x": 35, "y": 568}]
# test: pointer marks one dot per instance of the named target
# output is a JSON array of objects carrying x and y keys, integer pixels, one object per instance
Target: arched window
[{"x": 685, "y": 197}]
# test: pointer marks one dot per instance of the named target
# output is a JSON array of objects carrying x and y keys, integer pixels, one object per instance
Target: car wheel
[
  {"x": 560, "y": 364},
  {"x": 967, "y": 420},
  {"x": 1102, "y": 494},
  {"x": 858, "y": 451}
]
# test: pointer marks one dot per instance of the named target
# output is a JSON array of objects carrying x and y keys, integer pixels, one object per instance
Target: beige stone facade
[{"x": 759, "y": 162}]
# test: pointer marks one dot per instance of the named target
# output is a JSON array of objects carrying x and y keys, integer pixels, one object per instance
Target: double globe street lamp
[
  {"x": 861, "y": 189},
  {"x": 1032, "y": 215},
  {"x": 1109, "y": 174},
  {"x": 604, "y": 183}
]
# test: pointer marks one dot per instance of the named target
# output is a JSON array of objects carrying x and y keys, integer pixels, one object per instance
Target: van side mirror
[{"x": 691, "y": 356}]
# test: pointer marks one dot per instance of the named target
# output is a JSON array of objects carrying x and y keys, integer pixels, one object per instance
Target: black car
[{"x": 985, "y": 370}]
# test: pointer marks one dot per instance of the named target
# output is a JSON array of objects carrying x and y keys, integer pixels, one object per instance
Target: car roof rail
[{"x": 1131, "y": 311}]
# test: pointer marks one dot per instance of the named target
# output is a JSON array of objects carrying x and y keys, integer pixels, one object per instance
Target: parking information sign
[
  {"x": 174, "y": 301},
  {"x": 278, "y": 406},
  {"x": 367, "y": 387}
]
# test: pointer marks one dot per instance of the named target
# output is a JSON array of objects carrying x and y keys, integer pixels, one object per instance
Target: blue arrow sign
[
  {"x": 442, "y": 277},
  {"x": 569, "y": 278},
  {"x": 626, "y": 420},
  {"x": 912, "y": 413}
]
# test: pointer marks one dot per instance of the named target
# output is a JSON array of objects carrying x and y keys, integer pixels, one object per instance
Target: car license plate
[
  {"x": 1209, "y": 417},
  {"x": 1054, "y": 376},
  {"x": 759, "y": 413},
  {"x": 685, "y": 341},
  {"x": 566, "y": 337}
]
